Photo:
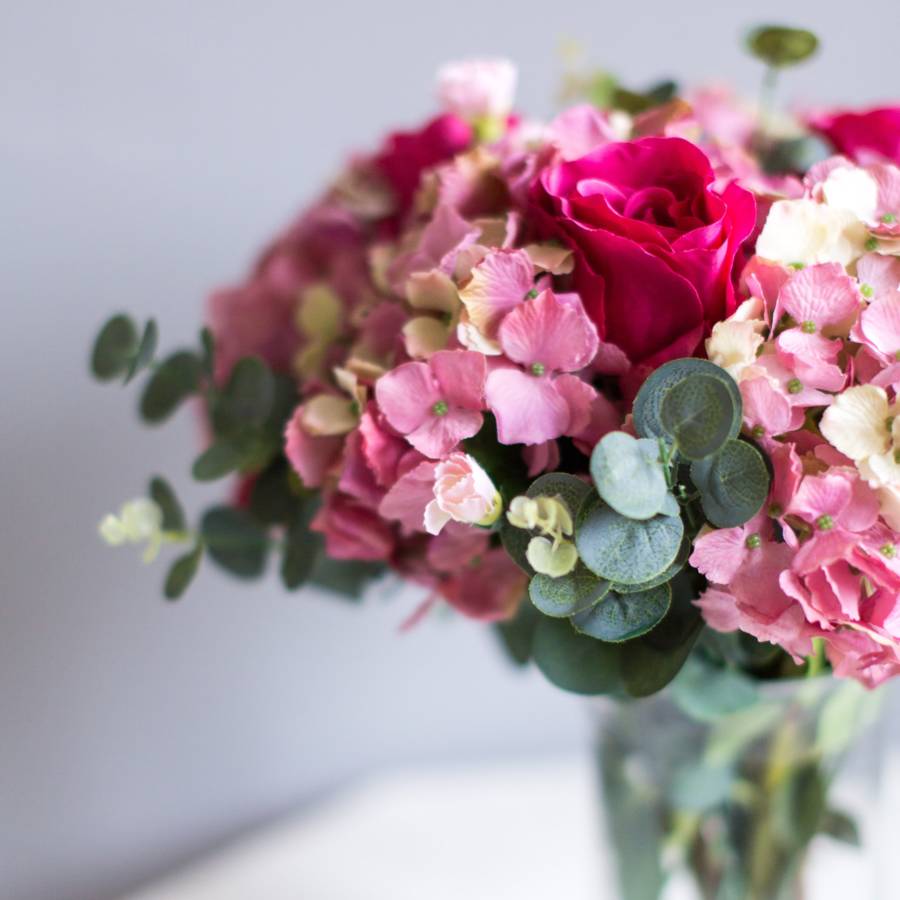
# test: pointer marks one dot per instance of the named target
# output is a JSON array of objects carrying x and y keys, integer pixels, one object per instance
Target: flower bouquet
[{"x": 625, "y": 385}]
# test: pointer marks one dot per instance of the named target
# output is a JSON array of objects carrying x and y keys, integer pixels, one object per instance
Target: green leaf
[
  {"x": 574, "y": 662},
  {"x": 701, "y": 786},
  {"x": 164, "y": 497},
  {"x": 218, "y": 460},
  {"x": 347, "y": 577},
  {"x": 571, "y": 490},
  {"x": 177, "y": 377},
  {"x": 275, "y": 497},
  {"x": 144, "y": 354},
  {"x": 249, "y": 394},
  {"x": 208, "y": 344},
  {"x": 515, "y": 542},
  {"x": 517, "y": 634},
  {"x": 733, "y": 484},
  {"x": 235, "y": 541},
  {"x": 629, "y": 475},
  {"x": 699, "y": 413},
  {"x": 114, "y": 348},
  {"x": 623, "y": 617},
  {"x": 707, "y": 693},
  {"x": 301, "y": 548},
  {"x": 648, "y": 403},
  {"x": 666, "y": 575},
  {"x": 568, "y": 594},
  {"x": 182, "y": 572},
  {"x": 799, "y": 805},
  {"x": 779, "y": 46},
  {"x": 840, "y": 826},
  {"x": 622, "y": 550}
]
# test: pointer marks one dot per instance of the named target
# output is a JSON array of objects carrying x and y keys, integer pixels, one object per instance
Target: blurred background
[{"x": 147, "y": 150}]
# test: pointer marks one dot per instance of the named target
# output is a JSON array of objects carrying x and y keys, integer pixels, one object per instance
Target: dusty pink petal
[
  {"x": 580, "y": 397},
  {"x": 846, "y": 587},
  {"x": 352, "y": 531},
  {"x": 541, "y": 457},
  {"x": 405, "y": 502},
  {"x": 881, "y": 273},
  {"x": 610, "y": 360},
  {"x": 579, "y": 130},
  {"x": 768, "y": 408},
  {"x": 406, "y": 395},
  {"x": 357, "y": 478},
  {"x": 787, "y": 473},
  {"x": 529, "y": 410},
  {"x": 499, "y": 284},
  {"x": 456, "y": 543},
  {"x": 815, "y": 597},
  {"x": 720, "y": 554},
  {"x": 460, "y": 377},
  {"x": 823, "y": 294},
  {"x": 813, "y": 358},
  {"x": 310, "y": 456},
  {"x": 490, "y": 589},
  {"x": 781, "y": 375},
  {"x": 439, "y": 434},
  {"x": 887, "y": 213},
  {"x": 854, "y": 654},
  {"x": 862, "y": 511},
  {"x": 824, "y": 548},
  {"x": 879, "y": 324},
  {"x": 765, "y": 280},
  {"x": 551, "y": 332},
  {"x": 821, "y": 495},
  {"x": 605, "y": 416},
  {"x": 720, "y": 610},
  {"x": 382, "y": 449}
]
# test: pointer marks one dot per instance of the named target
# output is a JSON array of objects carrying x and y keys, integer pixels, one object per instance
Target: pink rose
[
  {"x": 656, "y": 242},
  {"x": 463, "y": 492},
  {"x": 871, "y": 135}
]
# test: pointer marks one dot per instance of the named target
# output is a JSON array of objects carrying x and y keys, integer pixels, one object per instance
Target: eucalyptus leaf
[
  {"x": 182, "y": 572},
  {"x": 114, "y": 348},
  {"x": 164, "y": 497},
  {"x": 221, "y": 458},
  {"x": 574, "y": 662},
  {"x": 708, "y": 693},
  {"x": 176, "y": 378},
  {"x": 517, "y": 634},
  {"x": 208, "y": 344},
  {"x": 623, "y": 617},
  {"x": 699, "y": 413},
  {"x": 841, "y": 826},
  {"x": 515, "y": 542},
  {"x": 571, "y": 490},
  {"x": 701, "y": 786},
  {"x": 145, "y": 351},
  {"x": 235, "y": 541},
  {"x": 629, "y": 475},
  {"x": 666, "y": 575},
  {"x": 568, "y": 594},
  {"x": 623, "y": 550},
  {"x": 249, "y": 393},
  {"x": 779, "y": 46},
  {"x": 733, "y": 484},
  {"x": 648, "y": 402},
  {"x": 301, "y": 547}
]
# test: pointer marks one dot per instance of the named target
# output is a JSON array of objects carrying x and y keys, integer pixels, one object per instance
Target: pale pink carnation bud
[
  {"x": 478, "y": 88},
  {"x": 464, "y": 492}
]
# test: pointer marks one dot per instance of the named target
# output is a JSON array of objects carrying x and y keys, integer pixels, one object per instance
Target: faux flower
[
  {"x": 865, "y": 136},
  {"x": 435, "y": 404},
  {"x": 463, "y": 492},
  {"x": 537, "y": 400},
  {"x": 138, "y": 522},
  {"x": 656, "y": 243},
  {"x": 478, "y": 89}
]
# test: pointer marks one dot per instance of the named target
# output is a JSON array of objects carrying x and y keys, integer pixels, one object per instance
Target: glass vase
[{"x": 706, "y": 804}]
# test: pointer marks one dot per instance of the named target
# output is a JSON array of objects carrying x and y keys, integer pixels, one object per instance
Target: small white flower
[
  {"x": 553, "y": 558},
  {"x": 478, "y": 88},
  {"x": 139, "y": 521}
]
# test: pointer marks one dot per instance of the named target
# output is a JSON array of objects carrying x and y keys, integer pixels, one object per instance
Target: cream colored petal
[
  {"x": 472, "y": 339},
  {"x": 889, "y": 499},
  {"x": 319, "y": 313},
  {"x": 432, "y": 291},
  {"x": 551, "y": 560},
  {"x": 425, "y": 335},
  {"x": 328, "y": 414},
  {"x": 522, "y": 513},
  {"x": 881, "y": 470},
  {"x": 856, "y": 423},
  {"x": 733, "y": 345},
  {"x": 853, "y": 189},
  {"x": 551, "y": 258}
]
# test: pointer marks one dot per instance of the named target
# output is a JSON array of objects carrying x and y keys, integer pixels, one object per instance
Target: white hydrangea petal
[{"x": 856, "y": 423}]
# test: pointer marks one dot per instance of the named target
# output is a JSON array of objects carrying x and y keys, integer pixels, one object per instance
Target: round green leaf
[
  {"x": 648, "y": 403},
  {"x": 779, "y": 46},
  {"x": 114, "y": 348},
  {"x": 684, "y": 551},
  {"x": 515, "y": 543},
  {"x": 622, "y": 550},
  {"x": 248, "y": 396},
  {"x": 568, "y": 594},
  {"x": 163, "y": 496},
  {"x": 573, "y": 661},
  {"x": 235, "y": 541},
  {"x": 217, "y": 461},
  {"x": 621, "y": 617},
  {"x": 571, "y": 490},
  {"x": 177, "y": 377},
  {"x": 733, "y": 484},
  {"x": 143, "y": 356},
  {"x": 699, "y": 413},
  {"x": 629, "y": 475},
  {"x": 182, "y": 572}
]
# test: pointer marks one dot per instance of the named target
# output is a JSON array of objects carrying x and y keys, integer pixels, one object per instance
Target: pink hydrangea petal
[
  {"x": 812, "y": 357},
  {"x": 529, "y": 410},
  {"x": 357, "y": 478},
  {"x": 541, "y": 457},
  {"x": 439, "y": 434},
  {"x": 879, "y": 324},
  {"x": 405, "y": 502},
  {"x": 720, "y": 610},
  {"x": 406, "y": 395},
  {"x": 311, "y": 457},
  {"x": 823, "y": 294},
  {"x": 815, "y": 597},
  {"x": 460, "y": 376},
  {"x": 382, "y": 450},
  {"x": 580, "y": 397},
  {"x": 489, "y": 590},
  {"x": 881, "y": 273},
  {"x": 499, "y": 284},
  {"x": 821, "y": 495},
  {"x": 456, "y": 542},
  {"x": 846, "y": 587},
  {"x": 768, "y": 408},
  {"x": 720, "y": 554},
  {"x": 579, "y": 130},
  {"x": 353, "y": 531},
  {"x": 550, "y": 331}
]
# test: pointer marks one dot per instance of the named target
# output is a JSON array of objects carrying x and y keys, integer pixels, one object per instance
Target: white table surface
[{"x": 512, "y": 831}]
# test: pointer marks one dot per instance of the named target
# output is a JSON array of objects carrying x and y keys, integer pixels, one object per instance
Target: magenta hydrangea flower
[
  {"x": 538, "y": 400},
  {"x": 435, "y": 404}
]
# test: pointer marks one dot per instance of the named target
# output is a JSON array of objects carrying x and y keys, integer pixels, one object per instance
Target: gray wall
[{"x": 146, "y": 149}]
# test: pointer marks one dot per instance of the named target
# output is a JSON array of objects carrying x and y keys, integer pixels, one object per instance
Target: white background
[{"x": 146, "y": 149}]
